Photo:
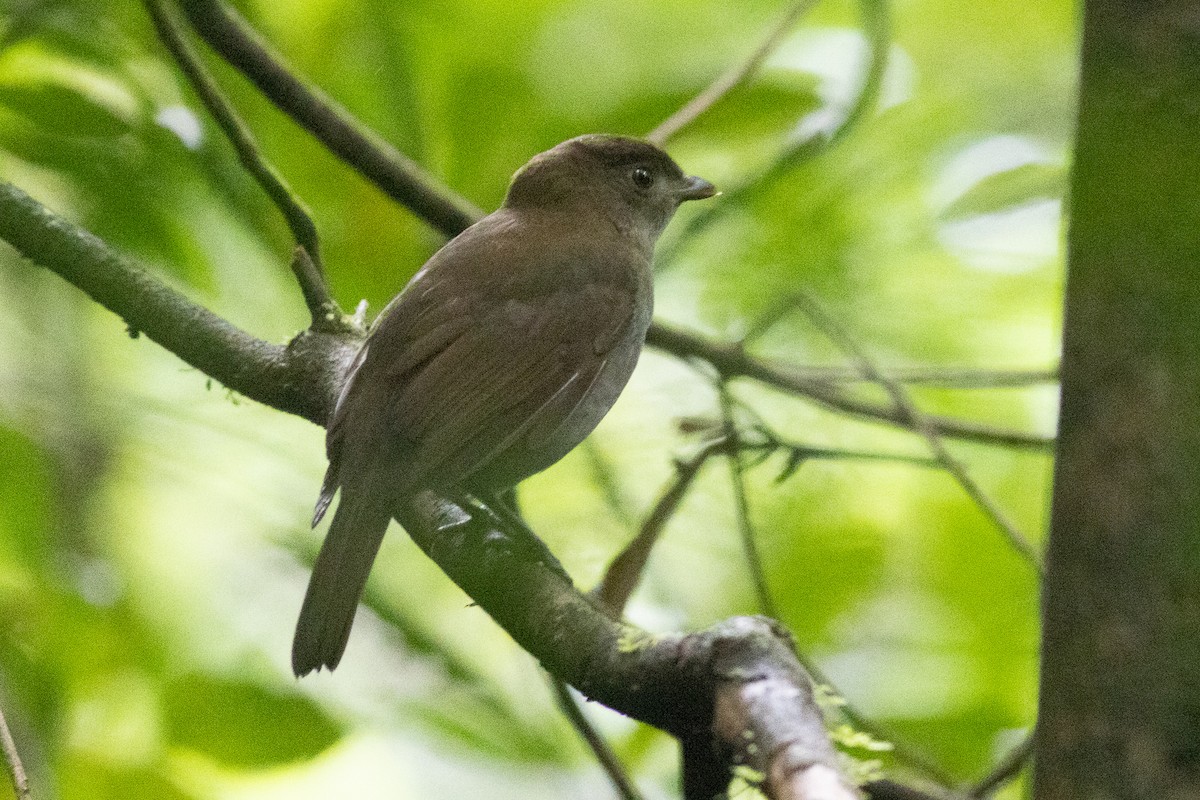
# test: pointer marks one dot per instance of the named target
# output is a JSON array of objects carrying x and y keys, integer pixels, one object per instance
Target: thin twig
[
  {"x": 607, "y": 759},
  {"x": 345, "y": 136},
  {"x": 749, "y": 537},
  {"x": 922, "y": 425},
  {"x": 877, "y": 27},
  {"x": 1008, "y": 768},
  {"x": 308, "y": 267},
  {"x": 939, "y": 377},
  {"x": 797, "y": 454},
  {"x": 730, "y": 79},
  {"x": 942, "y": 377},
  {"x": 730, "y": 360},
  {"x": 12, "y": 760},
  {"x": 626, "y": 570},
  {"x": 604, "y": 476}
]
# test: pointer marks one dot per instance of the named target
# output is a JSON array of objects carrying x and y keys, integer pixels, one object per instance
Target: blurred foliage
[{"x": 150, "y": 524}]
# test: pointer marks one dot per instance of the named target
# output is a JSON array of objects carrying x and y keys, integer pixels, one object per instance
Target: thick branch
[
  {"x": 300, "y": 378},
  {"x": 736, "y": 685},
  {"x": 766, "y": 714}
]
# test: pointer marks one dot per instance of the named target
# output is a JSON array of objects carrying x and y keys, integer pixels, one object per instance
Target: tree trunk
[{"x": 1120, "y": 701}]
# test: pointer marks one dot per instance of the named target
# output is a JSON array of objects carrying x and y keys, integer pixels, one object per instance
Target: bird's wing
[
  {"x": 502, "y": 334},
  {"x": 516, "y": 373}
]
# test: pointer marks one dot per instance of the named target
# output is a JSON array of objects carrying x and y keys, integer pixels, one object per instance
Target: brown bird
[{"x": 501, "y": 354}]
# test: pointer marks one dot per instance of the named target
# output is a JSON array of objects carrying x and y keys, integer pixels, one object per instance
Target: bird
[{"x": 500, "y": 355}]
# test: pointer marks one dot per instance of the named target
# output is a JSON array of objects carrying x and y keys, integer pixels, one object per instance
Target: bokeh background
[{"x": 153, "y": 527}]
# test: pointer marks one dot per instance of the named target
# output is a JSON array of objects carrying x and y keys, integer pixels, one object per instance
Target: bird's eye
[{"x": 641, "y": 177}]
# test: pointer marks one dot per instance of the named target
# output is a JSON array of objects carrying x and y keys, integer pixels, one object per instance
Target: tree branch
[
  {"x": 346, "y": 137},
  {"x": 769, "y": 719},
  {"x": 921, "y": 423},
  {"x": 380, "y": 163},
  {"x": 12, "y": 760},
  {"x": 674, "y": 681},
  {"x": 607, "y": 759},
  {"x": 307, "y": 267},
  {"x": 300, "y": 378},
  {"x": 730, "y": 360},
  {"x": 625, "y": 571},
  {"x": 730, "y": 79},
  {"x": 670, "y": 681}
]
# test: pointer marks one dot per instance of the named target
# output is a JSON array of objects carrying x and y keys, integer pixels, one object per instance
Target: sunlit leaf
[
  {"x": 65, "y": 96},
  {"x": 1000, "y": 191}
]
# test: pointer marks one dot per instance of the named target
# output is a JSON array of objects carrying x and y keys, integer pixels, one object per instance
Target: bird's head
[{"x": 632, "y": 182}]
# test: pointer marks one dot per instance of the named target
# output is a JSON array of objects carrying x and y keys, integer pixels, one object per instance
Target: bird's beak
[{"x": 696, "y": 189}]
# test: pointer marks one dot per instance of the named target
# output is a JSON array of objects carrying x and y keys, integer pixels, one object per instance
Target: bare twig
[
  {"x": 1008, "y": 768},
  {"x": 346, "y": 137},
  {"x": 943, "y": 377},
  {"x": 746, "y": 532},
  {"x": 604, "y": 475},
  {"x": 607, "y": 759},
  {"x": 307, "y": 267},
  {"x": 730, "y": 79},
  {"x": 922, "y": 425},
  {"x": 877, "y": 27},
  {"x": 798, "y": 453},
  {"x": 12, "y": 760},
  {"x": 626, "y": 570},
  {"x": 939, "y": 377},
  {"x": 730, "y": 360}
]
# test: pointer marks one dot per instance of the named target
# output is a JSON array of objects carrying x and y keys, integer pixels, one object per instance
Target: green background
[{"x": 153, "y": 528}]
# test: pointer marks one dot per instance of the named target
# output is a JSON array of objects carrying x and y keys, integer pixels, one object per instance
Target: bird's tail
[{"x": 337, "y": 582}]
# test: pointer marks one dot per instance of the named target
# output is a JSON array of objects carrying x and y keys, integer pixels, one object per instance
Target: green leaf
[
  {"x": 1004, "y": 190},
  {"x": 25, "y": 473},
  {"x": 244, "y": 725},
  {"x": 88, "y": 777},
  {"x": 63, "y": 95}
]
